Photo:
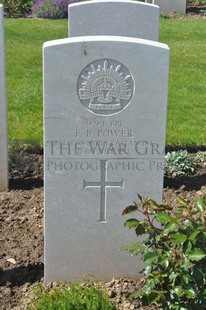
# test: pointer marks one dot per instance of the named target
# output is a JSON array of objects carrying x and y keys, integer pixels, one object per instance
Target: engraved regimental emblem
[{"x": 105, "y": 87}]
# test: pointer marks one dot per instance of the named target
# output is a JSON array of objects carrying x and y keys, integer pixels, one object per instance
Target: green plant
[
  {"x": 54, "y": 9},
  {"x": 163, "y": 15},
  {"x": 174, "y": 252},
  {"x": 200, "y": 156},
  {"x": 179, "y": 162},
  {"x": 203, "y": 12},
  {"x": 17, "y": 8},
  {"x": 76, "y": 296}
]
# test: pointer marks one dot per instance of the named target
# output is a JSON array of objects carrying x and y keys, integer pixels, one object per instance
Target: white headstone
[
  {"x": 105, "y": 102},
  {"x": 170, "y": 6},
  {"x": 114, "y": 17},
  {"x": 3, "y": 112}
]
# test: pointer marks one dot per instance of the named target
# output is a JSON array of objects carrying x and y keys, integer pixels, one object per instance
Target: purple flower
[{"x": 51, "y": 8}]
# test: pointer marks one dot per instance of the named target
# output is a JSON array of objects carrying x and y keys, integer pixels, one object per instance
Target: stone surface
[
  {"x": 105, "y": 102},
  {"x": 170, "y": 6},
  {"x": 3, "y": 112},
  {"x": 114, "y": 17}
]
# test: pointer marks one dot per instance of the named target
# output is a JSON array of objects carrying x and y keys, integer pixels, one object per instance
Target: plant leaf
[
  {"x": 131, "y": 223},
  {"x": 178, "y": 290},
  {"x": 186, "y": 278},
  {"x": 134, "y": 248},
  {"x": 140, "y": 197},
  {"x": 163, "y": 217},
  {"x": 164, "y": 263},
  {"x": 140, "y": 230},
  {"x": 198, "y": 275},
  {"x": 179, "y": 238},
  {"x": 164, "y": 207},
  {"x": 152, "y": 204},
  {"x": 190, "y": 292},
  {"x": 130, "y": 209},
  {"x": 154, "y": 297},
  {"x": 150, "y": 257},
  {"x": 187, "y": 247},
  {"x": 182, "y": 202},
  {"x": 169, "y": 227},
  {"x": 200, "y": 204},
  {"x": 196, "y": 255},
  {"x": 186, "y": 263},
  {"x": 193, "y": 235}
]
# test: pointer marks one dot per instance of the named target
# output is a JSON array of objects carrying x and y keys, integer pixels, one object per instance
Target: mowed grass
[
  {"x": 187, "y": 85},
  {"x": 24, "y": 40}
]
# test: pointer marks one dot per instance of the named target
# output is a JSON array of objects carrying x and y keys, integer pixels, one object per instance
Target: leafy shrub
[
  {"x": 201, "y": 157},
  {"x": 54, "y": 9},
  {"x": 164, "y": 16},
  {"x": 174, "y": 252},
  {"x": 76, "y": 296},
  {"x": 17, "y": 8},
  {"x": 179, "y": 163},
  {"x": 203, "y": 12}
]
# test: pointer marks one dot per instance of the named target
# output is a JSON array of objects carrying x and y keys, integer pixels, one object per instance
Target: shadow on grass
[{"x": 18, "y": 276}]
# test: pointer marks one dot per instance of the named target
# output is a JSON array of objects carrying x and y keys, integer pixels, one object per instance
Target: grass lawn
[
  {"x": 24, "y": 39},
  {"x": 187, "y": 86}
]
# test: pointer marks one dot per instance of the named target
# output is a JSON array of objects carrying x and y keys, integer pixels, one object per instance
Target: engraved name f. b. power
[{"x": 103, "y": 184}]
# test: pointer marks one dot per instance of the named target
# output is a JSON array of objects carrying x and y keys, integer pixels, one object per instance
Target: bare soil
[{"x": 21, "y": 229}]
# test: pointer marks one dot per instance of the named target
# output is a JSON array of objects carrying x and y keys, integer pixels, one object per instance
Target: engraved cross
[{"x": 103, "y": 184}]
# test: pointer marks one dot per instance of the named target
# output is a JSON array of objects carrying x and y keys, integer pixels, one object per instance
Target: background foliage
[
  {"x": 49, "y": 8},
  {"x": 17, "y": 8},
  {"x": 54, "y": 9}
]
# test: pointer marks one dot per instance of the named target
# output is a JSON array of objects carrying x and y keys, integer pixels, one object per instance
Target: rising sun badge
[{"x": 105, "y": 87}]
